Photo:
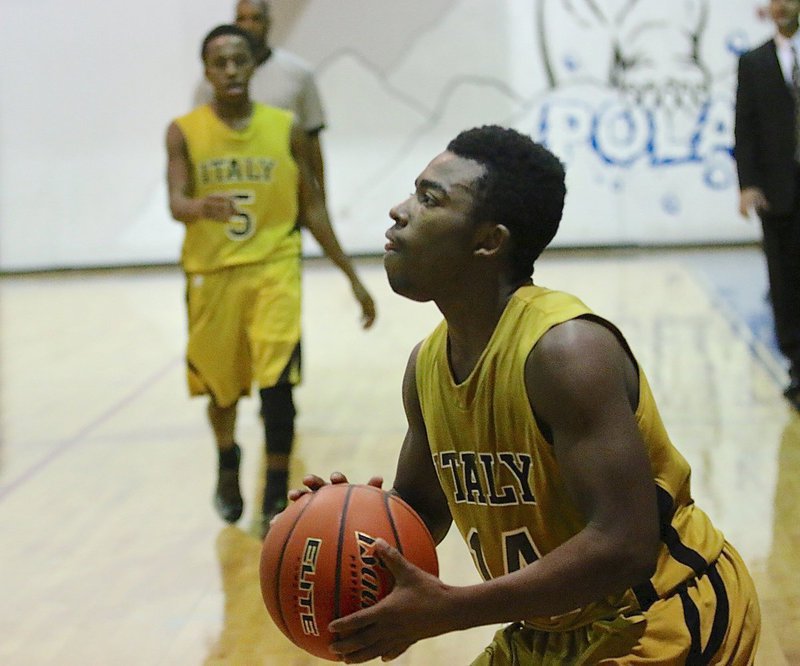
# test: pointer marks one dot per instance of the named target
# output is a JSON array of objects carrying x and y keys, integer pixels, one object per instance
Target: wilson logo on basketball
[
  {"x": 305, "y": 587},
  {"x": 368, "y": 576}
]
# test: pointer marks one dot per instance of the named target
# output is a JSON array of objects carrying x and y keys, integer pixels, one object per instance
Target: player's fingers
[
  {"x": 338, "y": 477},
  {"x": 376, "y": 481},
  {"x": 743, "y": 210},
  {"x": 363, "y": 645},
  {"x": 394, "y": 654},
  {"x": 314, "y": 482},
  {"x": 346, "y": 627},
  {"x": 296, "y": 493},
  {"x": 391, "y": 558},
  {"x": 367, "y": 311}
]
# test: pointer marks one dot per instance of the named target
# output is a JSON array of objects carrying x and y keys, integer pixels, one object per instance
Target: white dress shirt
[{"x": 784, "y": 46}]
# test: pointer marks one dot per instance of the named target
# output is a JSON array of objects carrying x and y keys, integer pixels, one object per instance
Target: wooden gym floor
[{"x": 111, "y": 553}]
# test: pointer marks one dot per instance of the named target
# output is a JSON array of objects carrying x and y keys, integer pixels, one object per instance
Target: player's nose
[{"x": 399, "y": 213}]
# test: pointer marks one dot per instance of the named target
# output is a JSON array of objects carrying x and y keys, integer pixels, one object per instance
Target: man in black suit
[{"x": 768, "y": 162}]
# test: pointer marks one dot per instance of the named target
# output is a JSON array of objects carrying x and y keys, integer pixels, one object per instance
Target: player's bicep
[
  {"x": 179, "y": 173},
  {"x": 579, "y": 383},
  {"x": 309, "y": 196}
]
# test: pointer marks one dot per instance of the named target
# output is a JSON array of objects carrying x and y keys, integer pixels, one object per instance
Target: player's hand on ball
[
  {"x": 312, "y": 482},
  {"x": 319, "y": 563},
  {"x": 419, "y": 606}
]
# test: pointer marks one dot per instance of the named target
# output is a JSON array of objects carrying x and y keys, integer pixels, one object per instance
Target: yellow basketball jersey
[
  {"x": 256, "y": 167},
  {"x": 500, "y": 475}
]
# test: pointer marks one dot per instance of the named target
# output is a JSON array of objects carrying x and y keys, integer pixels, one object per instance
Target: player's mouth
[{"x": 391, "y": 246}]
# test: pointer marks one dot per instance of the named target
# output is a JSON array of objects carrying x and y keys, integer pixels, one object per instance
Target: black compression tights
[{"x": 277, "y": 409}]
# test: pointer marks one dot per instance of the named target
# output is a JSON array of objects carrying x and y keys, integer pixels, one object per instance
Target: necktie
[{"x": 796, "y": 95}]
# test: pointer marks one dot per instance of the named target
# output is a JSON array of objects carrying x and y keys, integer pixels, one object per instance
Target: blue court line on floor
[
  {"x": 65, "y": 445},
  {"x": 737, "y": 284}
]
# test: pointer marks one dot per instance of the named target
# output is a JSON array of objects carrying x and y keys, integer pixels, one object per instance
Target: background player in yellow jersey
[
  {"x": 532, "y": 427},
  {"x": 239, "y": 178},
  {"x": 280, "y": 79}
]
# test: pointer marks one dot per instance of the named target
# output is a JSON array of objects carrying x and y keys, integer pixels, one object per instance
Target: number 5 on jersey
[{"x": 241, "y": 224}]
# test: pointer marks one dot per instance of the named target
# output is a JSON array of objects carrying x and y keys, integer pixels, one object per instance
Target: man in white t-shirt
[{"x": 281, "y": 79}]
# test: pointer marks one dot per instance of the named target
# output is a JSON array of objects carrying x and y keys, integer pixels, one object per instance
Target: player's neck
[
  {"x": 234, "y": 113},
  {"x": 471, "y": 322}
]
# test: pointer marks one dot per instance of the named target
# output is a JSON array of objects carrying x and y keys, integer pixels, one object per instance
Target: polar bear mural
[{"x": 649, "y": 48}]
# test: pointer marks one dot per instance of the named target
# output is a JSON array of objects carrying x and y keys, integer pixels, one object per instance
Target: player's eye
[{"x": 425, "y": 198}]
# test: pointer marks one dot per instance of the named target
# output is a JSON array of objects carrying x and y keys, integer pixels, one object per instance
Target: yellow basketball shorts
[
  {"x": 244, "y": 327},
  {"x": 712, "y": 619}
]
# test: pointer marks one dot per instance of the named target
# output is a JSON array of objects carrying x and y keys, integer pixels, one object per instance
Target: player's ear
[{"x": 492, "y": 239}]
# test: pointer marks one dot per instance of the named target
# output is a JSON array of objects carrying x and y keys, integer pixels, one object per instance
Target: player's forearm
[
  {"x": 437, "y": 521},
  {"x": 320, "y": 227},
  {"x": 185, "y": 209},
  {"x": 585, "y": 569}
]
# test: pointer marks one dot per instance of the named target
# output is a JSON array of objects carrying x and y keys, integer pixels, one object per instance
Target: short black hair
[
  {"x": 523, "y": 188},
  {"x": 226, "y": 29}
]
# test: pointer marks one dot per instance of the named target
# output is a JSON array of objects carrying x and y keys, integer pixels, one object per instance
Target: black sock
[
  {"x": 276, "y": 488},
  {"x": 229, "y": 458}
]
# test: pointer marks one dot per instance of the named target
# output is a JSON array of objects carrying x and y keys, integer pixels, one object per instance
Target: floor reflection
[{"x": 780, "y": 597}]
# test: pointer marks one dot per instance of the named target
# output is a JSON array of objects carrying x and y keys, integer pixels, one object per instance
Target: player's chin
[
  {"x": 402, "y": 285},
  {"x": 394, "y": 271},
  {"x": 392, "y": 264}
]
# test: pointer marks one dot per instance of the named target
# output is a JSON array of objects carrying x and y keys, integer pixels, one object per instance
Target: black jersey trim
[
  {"x": 645, "y": 594},
  {"x": 683, "y": 554},
  {"x": 721, "y": 615},
  {"x": 669, "y": 535},
  {"x": 692, "y": 618},
  {"x": 666, "y": 509}
]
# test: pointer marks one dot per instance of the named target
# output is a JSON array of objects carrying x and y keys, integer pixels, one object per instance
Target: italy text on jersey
[
  {"x": 226, "y": 170},
  {"x": 474, "y": 475}
]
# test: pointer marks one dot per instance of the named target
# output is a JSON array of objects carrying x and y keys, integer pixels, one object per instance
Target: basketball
[{"x": 317, "y": 564}]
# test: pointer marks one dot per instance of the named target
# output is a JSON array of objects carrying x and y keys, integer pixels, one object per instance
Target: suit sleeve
[{"x": 746, "y": 126}]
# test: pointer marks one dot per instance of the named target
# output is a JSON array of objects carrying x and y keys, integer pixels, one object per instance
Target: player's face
[
  {"x": 433, "y": 239},
  {"x": 253, "y": 17},
  {"x": 229, "y": 66},
  {"x": 784, "y": 14}
]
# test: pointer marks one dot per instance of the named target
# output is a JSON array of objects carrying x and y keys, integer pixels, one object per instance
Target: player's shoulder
[
  {"x": 270, "y": 112},
  {"x": 579, "y": 343},
  {"x": 197, "y": 114}
]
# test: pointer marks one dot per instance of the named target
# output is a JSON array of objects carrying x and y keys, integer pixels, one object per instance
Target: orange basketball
[{"x": 317, "y": 563}]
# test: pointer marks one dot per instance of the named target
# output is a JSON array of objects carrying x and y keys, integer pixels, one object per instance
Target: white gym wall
[{"x": 88, "y": 88}]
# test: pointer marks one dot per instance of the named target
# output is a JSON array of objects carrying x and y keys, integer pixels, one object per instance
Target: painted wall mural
[{"x": 635, "y": 96}]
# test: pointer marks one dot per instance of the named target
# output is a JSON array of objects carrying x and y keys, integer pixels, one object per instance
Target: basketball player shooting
[{"x": 532, "y": 427}]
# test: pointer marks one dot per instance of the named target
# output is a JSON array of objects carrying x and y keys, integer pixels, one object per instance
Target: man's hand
[
  {"x": 366, "y": 302},
  {"x": 217, "y": 207},
  {"x": 312, "y": 482},
  {"x": 752, "y": 199},
  {"x": 417, "y": 607}
]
